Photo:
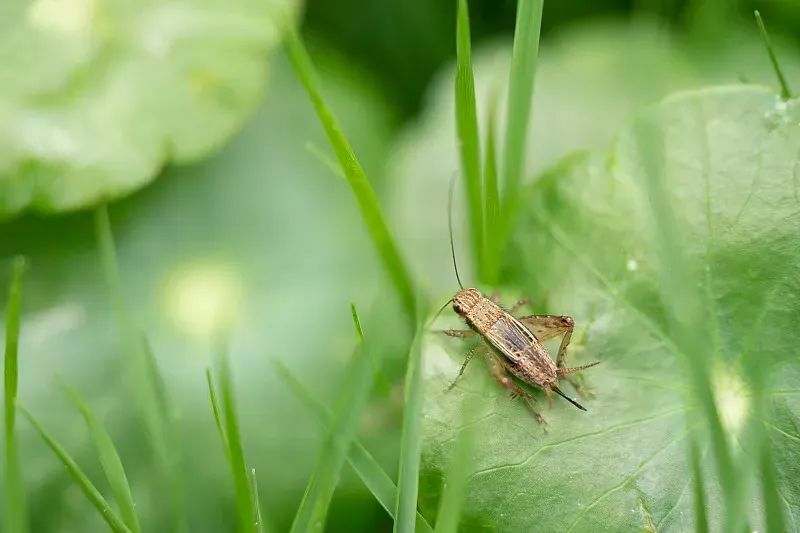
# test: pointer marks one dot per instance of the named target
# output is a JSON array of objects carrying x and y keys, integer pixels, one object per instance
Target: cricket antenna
[
  {"x": 450, "y": 225},
  {"x": 570, "y": 400}
]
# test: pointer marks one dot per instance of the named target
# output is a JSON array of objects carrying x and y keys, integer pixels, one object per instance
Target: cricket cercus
[{"x": 513, "y": 344}]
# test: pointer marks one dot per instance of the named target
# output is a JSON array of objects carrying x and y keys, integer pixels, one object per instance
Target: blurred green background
[{"x": 188, "y": 118}]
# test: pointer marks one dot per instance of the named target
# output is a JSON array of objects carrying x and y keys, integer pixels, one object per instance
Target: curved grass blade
[
  {"x": 520, "y": 99},
  {"x": 491, "y": 195},
  {"x": 356, "y": 386},
  {"x": 89, "y": 490},
  {"x": 15, "y": 517},
  {"x": 411, "y": 442},
  {"x": 365, "y": 196},
  {"x": 256, "y": 501},
  {"x": 109, "y": 460},
  {"x": 773, "y": 508},
  {"x": 245, "y": 512},
  {"x": 467, "y": 132},
  {"x": 212, "y": 394},
  {"x": 149, "y": 387},
  {"x": 685, "y": 313},
  {"x": 455, "y": 488},
  {"x": 374, "y": 477},
  {"x": 785, "y": 92}
]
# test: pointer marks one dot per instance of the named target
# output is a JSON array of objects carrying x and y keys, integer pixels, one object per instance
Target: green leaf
[
  {"x": 95, "y": 99},
  {"x": 15, "y": 517},
  {"x": 260, "y": 528},
  {"x": 467, "y": 132},
  {"x": 109, "y": 459},
  {"x": 149, "y": 386},
  {"x": 356, "y": 385},
  {"x": 455, "y": 481},
  {"x": 246, "y": 515},
  {"x": 411, "y": 441},
  {"x": 785, "y": 92},
  {"x": 518, "y": 111},
  {"x": 217, "y": 411},
  {"x": 365, "y": 195},
  {"x": 374, "y": 477},
  {"x": 89, "y": 490},
  {"x": 676, "y": 253}
]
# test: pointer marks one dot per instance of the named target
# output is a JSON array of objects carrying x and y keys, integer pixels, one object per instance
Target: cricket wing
[{"x": 511, "y": 338}]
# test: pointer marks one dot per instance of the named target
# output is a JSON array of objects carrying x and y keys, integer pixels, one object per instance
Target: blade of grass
[
  {"x": 256, "y": 501},
  {"x": 356, "y": 386},
  {"x": 365, "y": 196},
  {"x": 700, "y": 518},
  {"x": 244, "y": 499},
  {"x": 455, "y": 487},
  {"x": 491, "y": 194},
  {"x": 520, "y": 97},
  {"x": 685, "y": 313},
  {"x": 109, "y": 460},
  {"x": 212, "y": 394},
  {"x": 89, "y": 490},
  {"x": 15, "y": 517},
  {"x": 467, "y": 133},
  {"x": 149, "y": 388},
  {"x": 374, "y": 477},
  {"x": 772, "y": 499},
  {"x": 785, "y": 92},
  {"x": 411, "y": 441}
]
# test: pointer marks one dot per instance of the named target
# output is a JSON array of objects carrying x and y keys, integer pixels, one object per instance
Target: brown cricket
[{"x": 513, "y": 344}]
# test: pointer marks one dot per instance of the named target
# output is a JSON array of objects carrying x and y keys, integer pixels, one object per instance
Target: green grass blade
[
  {"x": 374, "y": 477},
  {"x": 773, "y": 507},
  {"x": 700, "y": 517},
  {"x": 455, "y": 487},
  {"x": 467, "y": 132},
  {"x": 686, "y": 314},
  {"x": 212, "y": 394},
  {"x": 785, "y": 92},
  {"x": 365, "y": 196},
  {"x": 411, "y": 441},
  {"x": 89, "y": 490},
  {"x": 520, "y": 100},
  {"x": 15, "y": 517},
  {"x": 109, "y": 460},
  {"x": 356, "y": 386},
  {"x": 256, "y": 502},
  {"x": 149, "y": 387},
  {"x": 491, "y": 195},
  {"x": 244, "y": 499}
]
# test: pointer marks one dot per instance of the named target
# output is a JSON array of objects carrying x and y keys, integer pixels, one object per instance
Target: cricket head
[{"x": 465, "y": 300}]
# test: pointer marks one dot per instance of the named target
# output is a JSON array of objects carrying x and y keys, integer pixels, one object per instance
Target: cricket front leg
[
  {"x": 459, "y": 333},
  {"x": 467, "y": 359},
  {"x": 500, "y": 374}
]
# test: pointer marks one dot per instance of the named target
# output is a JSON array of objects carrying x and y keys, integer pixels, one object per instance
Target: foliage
[{"x": 96, "y": 97}]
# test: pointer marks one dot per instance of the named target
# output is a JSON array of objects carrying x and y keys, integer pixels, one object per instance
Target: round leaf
[
  {"x": 95, "y": 97},
  {"x": 588, "y": 245}
]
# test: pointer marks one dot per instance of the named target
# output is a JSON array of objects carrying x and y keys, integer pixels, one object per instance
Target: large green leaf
[
  {"x": 95, "y": 97},
  {"x": 586, "y": 246}
]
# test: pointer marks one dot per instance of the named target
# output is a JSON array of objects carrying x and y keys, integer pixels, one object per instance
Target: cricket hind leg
[
  {"x": 547, "y": 327},
  {"x": 500, "y": 374}
]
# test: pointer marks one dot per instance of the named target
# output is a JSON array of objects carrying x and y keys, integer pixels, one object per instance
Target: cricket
[{"x": 513, "y": 345}]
